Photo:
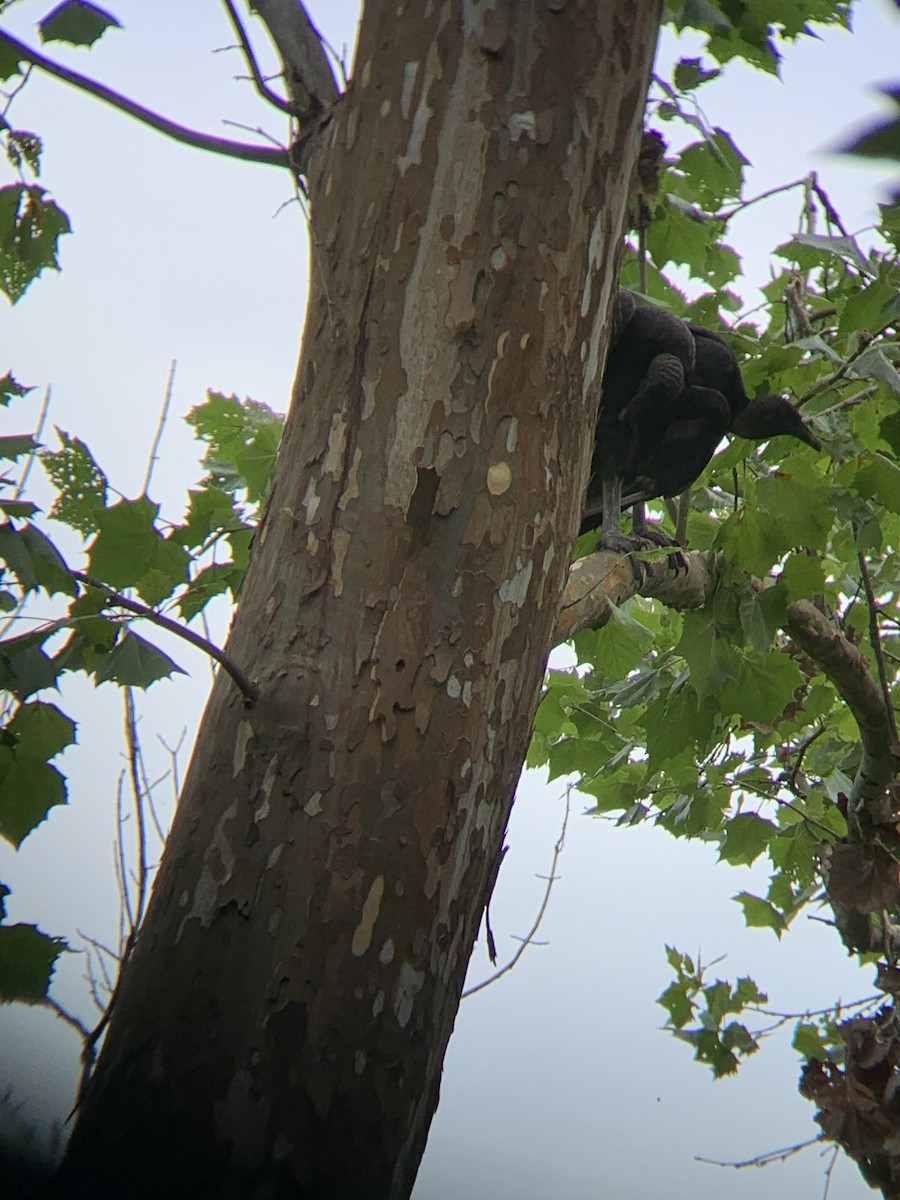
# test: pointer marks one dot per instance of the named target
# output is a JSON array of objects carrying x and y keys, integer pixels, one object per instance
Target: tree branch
[
  {"x": 308, "y": 77},
  {"x": 252, "y": 65},
  {"x": 848, "y": 670},
  {"x": 247, "y": 687},
  {"x": 190, "y": 137},
  {"x": 604, "y": 579}
]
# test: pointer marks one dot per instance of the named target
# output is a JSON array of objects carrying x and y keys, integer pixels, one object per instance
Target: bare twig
[
  {"x": 528, "y": 939},
  {"x": 250, "y": 58},
  {"x": 877, "y": 650},
  {"x": 180, "y": 133},
  {"x": 764, "y": 1160},
  {"x": 39, "y": 429},
  {"x": 64, "y": 1015},
  {"x": 135, "y": 769},
  {"x": 728, "y": 213},
  {"x": 160, "y": 427},
  {"x": 800, "y": 754},
  {"x": 248, "y": 689}
]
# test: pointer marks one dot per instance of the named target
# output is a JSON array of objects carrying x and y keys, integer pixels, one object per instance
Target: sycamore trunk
[{"x": 281, "y": 1027}]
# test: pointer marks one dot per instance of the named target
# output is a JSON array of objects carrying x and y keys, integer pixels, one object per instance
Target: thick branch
[
  {"x": 604, "y": 579},
  {"x": 271, "y": 156},
  {"x": 250, "y": 58},
  {"x": 848, "y": 670},
  {"x": 308, "y": 77},
  {"x": 247, "y": 687}
]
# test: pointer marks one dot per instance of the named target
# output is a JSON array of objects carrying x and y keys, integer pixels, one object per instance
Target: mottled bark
[{"x": 281, "y": 1027}]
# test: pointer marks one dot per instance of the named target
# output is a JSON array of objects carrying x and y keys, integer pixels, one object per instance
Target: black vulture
[
  {"x": 665, "y": 407},
  {"x": 650, "y": 360}
]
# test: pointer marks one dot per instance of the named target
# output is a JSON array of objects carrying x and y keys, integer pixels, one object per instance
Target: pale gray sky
[{"x": 558, "y": 1082}]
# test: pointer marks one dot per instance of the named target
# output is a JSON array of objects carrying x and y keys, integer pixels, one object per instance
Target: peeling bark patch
[
  {"x": 515, "y": 590},
  {"x": 341, "y": 546},
  {"x": 263, "y": 808},
  {"x": 410, "y": 70},
  {"x": 522, "y": 124},
  {"x": 499, "y": 478},
  {"x": 386, "y": 953},
  {"x": 423, "y": 114},
  {"x": 218, "y": 868},
  {"x": 362, "y": 934},
  {"x": 313, "y": 806},
  {"x": 242, "y": 741},
  {"x": 409, "y": 984}
]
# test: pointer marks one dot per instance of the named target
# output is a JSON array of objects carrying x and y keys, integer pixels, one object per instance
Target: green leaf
[
  {"x": 40, "y": 730},
  {"x": 134, "y": 662},
  {"x": 677, "y": 1004},
  {"x": 80, "y": 482},
  {"x": 618, "y": 647},
  {"x": 864, "y": 307},
  {"x": 802, "y": 575},
  {"x": 129, "y": 551},
  {"x": 27, "y": 960},
  {"x": 34, "y": 560},
  {"x": 30, "y": 229},
  {"x": 10, "y": 390},
  {"x": 798, "y": 498},
  {"x": 690, "y": 73},
  {"x": 76, "y": 22},
  {"x": 29, "y": 785},
  {"x": 761, "y": 914},
  {"x": 747, "y": 836},
  {"x": 713, "y": 662},
  {"x": 878, "y": 479},
  {"x": 242, "y": 440},
  {"x": 23, "y": 150},
  {"x": 872, "y": 364},
  {"x": 205, "y": 586},
  {"x": 809, "y": 1042},
  {"x": 764, "y": 690},
  {"x": 25, "y": 667},
  {"x": 675, "y": 721}
]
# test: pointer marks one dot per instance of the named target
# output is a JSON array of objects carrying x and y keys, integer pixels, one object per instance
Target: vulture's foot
[
  {"x": 657, "y": 537},
  {"x": 620, "y": 543}
]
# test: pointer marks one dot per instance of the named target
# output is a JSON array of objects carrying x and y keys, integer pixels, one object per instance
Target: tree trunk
[{"x": 281, "y": 1026}]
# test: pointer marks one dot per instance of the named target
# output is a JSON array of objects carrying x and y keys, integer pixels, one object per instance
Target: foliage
[
  {"x": 713, "y": 723},
  {"x": 132, "y": 554}
]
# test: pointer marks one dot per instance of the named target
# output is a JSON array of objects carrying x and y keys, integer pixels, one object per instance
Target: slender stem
[
  {"x": 180, "y": 133},
  {"x": 528, "y": 940},
  {"x": 877, "y": 650},
  {"x": 250, "y": 58},
  {"x": 138, "y": 793},
  {"x": 160, "y": 426},
  {"x": 247, "y": 687}
]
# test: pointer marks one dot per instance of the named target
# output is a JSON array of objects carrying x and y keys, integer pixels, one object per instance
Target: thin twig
[
  {"x": 179, "y": 133},
  {"x": 135, "y": 768},
  {"x": 875, "y": 639},
  {"x": 39, "y": 429},
  {"x": 763, "y": 1160},
  {"x": 727, "y": 214},
  {"x": 249, "y": 690},
  {"x": 800, "y": 753},
  {"x": 252, "y": 65},
  {"x": 160, "y": 426},
  {"x": 528, "y": 940},
  {"x": 65, "y": 1015}
]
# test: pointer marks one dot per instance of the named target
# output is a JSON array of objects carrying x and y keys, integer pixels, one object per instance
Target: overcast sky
[{"x": 558, "y": 1081}]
